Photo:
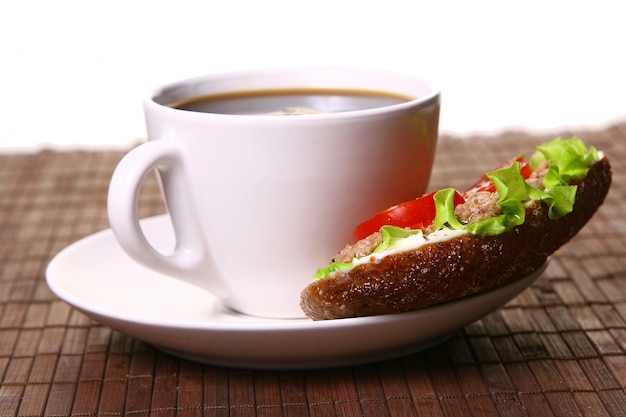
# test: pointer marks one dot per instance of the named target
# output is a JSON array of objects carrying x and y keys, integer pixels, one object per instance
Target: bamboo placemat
[{"x": 557, "y": 349}]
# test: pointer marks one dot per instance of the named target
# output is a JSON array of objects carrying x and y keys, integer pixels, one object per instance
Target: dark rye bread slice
[{"x": 469, "y": 264}]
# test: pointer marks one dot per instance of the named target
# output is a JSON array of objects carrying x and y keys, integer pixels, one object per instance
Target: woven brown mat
[{"x": 557, "y": 349}]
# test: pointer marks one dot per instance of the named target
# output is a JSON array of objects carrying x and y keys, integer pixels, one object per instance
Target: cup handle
[{"x": 188, "y": 259}]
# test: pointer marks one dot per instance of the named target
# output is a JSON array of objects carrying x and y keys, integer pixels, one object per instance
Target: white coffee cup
[{"x": 259, "y": 202}]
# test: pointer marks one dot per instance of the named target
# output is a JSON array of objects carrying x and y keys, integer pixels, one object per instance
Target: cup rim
[{"x": 184, "y": 87}]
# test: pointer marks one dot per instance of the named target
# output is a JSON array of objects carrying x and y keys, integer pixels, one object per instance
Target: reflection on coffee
[{"x": 304, "y": 101}]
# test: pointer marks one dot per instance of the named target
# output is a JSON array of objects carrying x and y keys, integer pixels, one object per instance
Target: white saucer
[{"x": 95, "y": 276}]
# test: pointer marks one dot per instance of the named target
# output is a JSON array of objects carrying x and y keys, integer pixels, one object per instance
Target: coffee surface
[{"x": 280, "y": 101}]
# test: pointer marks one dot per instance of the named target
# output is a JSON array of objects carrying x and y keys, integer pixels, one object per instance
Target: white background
[{"x": 73, "y": 73}]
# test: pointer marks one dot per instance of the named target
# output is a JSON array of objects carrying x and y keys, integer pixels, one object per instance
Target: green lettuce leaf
[
  {"x": 560, "y": 200},
  {"x": 332, "y": 267},
  {"x": 570, "y": 158},
  {"x": 391, "y": 236},
  {"x": 512, "y": 190},
  {"x": 444, "y": 210}
]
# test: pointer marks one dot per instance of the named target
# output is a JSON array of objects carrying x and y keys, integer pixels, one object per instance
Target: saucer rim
[{"x": 254, "y": 327}]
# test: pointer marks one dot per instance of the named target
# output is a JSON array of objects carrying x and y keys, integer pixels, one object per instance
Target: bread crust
[{"x": 469, "y": 264}]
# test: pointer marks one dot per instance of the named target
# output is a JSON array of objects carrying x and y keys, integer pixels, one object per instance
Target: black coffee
[{"x": 291, "y": 101}]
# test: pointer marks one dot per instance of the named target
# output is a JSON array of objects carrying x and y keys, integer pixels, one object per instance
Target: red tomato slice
[
  {"x": 413, "y": 214},
  {"x": 485, "y": 184}
]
